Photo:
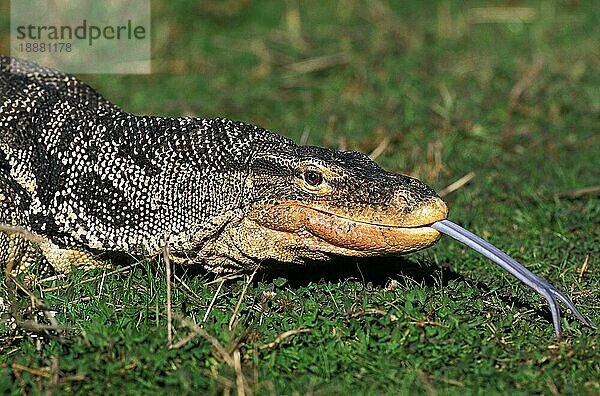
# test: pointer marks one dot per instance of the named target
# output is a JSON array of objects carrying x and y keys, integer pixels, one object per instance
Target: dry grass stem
[
  {"x": 212, "y": 302},
  {"x": 167, "y": 260},
  {"x": 220, "y": 351},
  {"x": 385, "y": 142},
  {"x": 424, "y": 322},
  {"x": 51, "y": 373},
  {"x": 552, "y": 387},
  {"x": 363, "y": 312},
  {"x": 451, "y": 382},
  {"x": 342, "y": 143},
  {"x": 101, "y": 287},
  {"x": 227, "y": 277},
  {"x": 36, "y": 305},
  {"x": 319, "y": 63},
  {"x": 516, "y": 93},
  {"x": 186, "y": 287},
  {"x": 183, "y": 341},
  {"x": 524, "y": 83},
  {"x": 574, "y": 194},
  {"x": 239, "y": 303},
  {"x": 584, "y": 267},
  {"x": 283, "y": 336},
  {"x": 304, "y": 137},
  {"x": 427, "y": 385},
  {"x": 457, "y": 184},
  {"x": 43, "y": 372},
  {"x": 239, "y": 375},
  {"x": 52, "y": 278},
  {"x": 104, "y": 274},
  {"x": 501, "y": 15},
  {"x": 582, "y": 192},
  {"x": 54, "y": 371},
  {"x": 434, "y": 159}
]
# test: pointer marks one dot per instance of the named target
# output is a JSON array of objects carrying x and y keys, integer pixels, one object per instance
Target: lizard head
[{"x": 304, "y": 202}]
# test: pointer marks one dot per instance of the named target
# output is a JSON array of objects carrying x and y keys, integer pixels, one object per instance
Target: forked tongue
[{"x": 541, "y": 286}]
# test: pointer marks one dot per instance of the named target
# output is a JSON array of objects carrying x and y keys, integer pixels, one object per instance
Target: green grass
[{"x": 441, "y": 321}]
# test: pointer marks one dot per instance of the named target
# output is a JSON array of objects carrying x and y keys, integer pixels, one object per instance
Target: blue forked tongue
[{"x": 542, "y": 287}]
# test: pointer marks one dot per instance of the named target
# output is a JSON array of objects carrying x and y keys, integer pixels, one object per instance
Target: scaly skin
[{"x": 92, "y": 182}]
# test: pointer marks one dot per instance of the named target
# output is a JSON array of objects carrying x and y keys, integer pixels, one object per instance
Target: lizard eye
[{"x": 313, "y": 178}]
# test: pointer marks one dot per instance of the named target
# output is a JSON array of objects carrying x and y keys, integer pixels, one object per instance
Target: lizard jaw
[
  {"x": 369, "y": 239},
  {"x": 335, "y": 234}
]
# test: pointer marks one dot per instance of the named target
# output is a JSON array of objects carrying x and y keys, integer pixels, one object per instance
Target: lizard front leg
[
  {"x": 20, "y": 248},
  {"x": 16, "y": 250}
]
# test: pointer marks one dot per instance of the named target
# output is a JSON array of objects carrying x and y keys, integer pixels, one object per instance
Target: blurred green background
[{"x": 507, "y": 92}]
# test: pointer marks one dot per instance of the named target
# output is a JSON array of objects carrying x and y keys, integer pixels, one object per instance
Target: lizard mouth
[{"x": 337, "y": 234}]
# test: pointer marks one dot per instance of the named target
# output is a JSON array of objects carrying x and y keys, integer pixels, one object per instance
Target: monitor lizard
[{"x": 92, "y": 182}]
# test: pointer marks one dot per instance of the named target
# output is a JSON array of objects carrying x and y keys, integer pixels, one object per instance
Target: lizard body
[
  {"x": 83, "y": 183},
  {"x": 93, "y": 181}
]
